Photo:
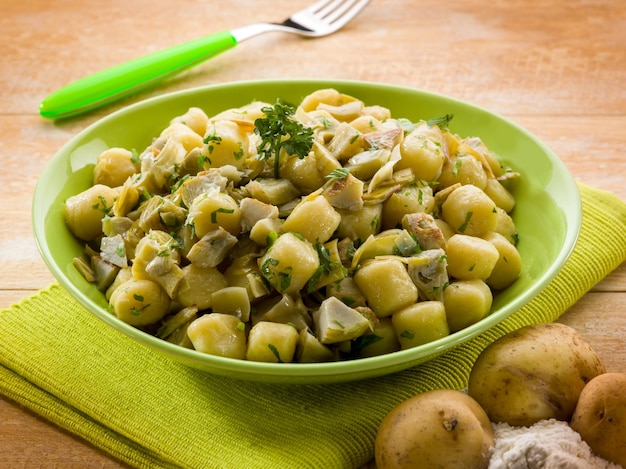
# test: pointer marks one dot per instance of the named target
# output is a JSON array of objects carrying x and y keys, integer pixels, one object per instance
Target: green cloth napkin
[{"x": 68, "y": 366}]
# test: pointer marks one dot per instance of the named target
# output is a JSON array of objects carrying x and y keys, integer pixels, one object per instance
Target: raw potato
[
  {"x": 443, "y": 428},
  {"x": 600, "y": 416},
  {"x": 534, "y": 373}
]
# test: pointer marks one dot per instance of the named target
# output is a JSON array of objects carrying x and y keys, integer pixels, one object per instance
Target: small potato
[
  {"x": 140, "y": 302},
  {"x": 464, "y": 169},
  {"x": 218, "y": 334},
  {"x": 84, "y": 212},
  {"x": 314, "y": 218},
  {"x": 600, "y": 416},
  {"x": 410, "y": 199},
  {"x": 507, "y": 269},
  {"x": 387, "y": 286},
  {"x": 113, "y": 167},
  {"x": 183, "y": 134},
  {"x": 213, "y": 209},
  {"x": 380, "y": 341},
  {"x": 421, "y": 152},
  {"x": 470, "y": 211},
  {"x": 225, "y": 143},
  {"x": 470, "y": 257},
  {"x": 506, "y": 227},
  {"x": 499, "y": 194},
  {"x": 466, "y": 302},
  {"x": 420, "y": 323},
  {"x": 303, "y": 174},
  {"x": 289, "y": 263},
  {"x": 272, "y": 342},
  {"x": 440, "y": 429},
  {"x": 195, "y": 118},
  {"x": 534, "y": 373}
]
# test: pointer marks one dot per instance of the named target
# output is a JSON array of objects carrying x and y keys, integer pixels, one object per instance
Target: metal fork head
[{"x": 325, "y": 17}]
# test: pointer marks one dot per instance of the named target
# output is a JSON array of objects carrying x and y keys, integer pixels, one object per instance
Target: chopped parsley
[
  {"x": 275, "y": 351},
  {"x": 211, "y": 140},
  {"x": 339, "y": 173},
  {"x": 104, "y": 209},
  {"x": 442, "y": 121},
  {"x": 220, "y": 210},
  {"x": 463, "y": 227}
]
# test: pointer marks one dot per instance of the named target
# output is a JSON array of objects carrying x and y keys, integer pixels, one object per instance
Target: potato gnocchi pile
[{"x": 346, "y": 233}]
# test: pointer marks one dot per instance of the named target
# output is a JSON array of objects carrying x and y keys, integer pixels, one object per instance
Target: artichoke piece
[
  {"x": 244, "y": 272},
  {"x": 430, "y": 277},
  {"x": 424, "y": 228},
  {"x": 113, "y": 250},
  {"x": 331, "y": 268},
  {"x": 344, "y": 112},
  {"x": 347, "y": 291},
  {"x": 232, "y": 300},
  {"x": 156, "y": 259},
  {"x": 253, "y": 210},
  {"x": 311, "y": 350},
  {"x": 212, "y": 248},
  {"x": 191, "y": 165},
  {"x": 407, "y": 245},
  {"x": 201, "y": 184},
  {"x": 160, "y": 213},
  {"x": 126, "y": 200},
  {"x": 84, "y": 269},
  {"x": 285, "y": 310},
  {"x": 167, "y": 274},
  {"x": 345, "y": 193},
  {"x": 112, "y": 226},
  {"x": 272, "y": 191},
  {"x": 365, "y": 164},
  {"x": 442, "y": 195},
  {"x": 324, "y": 125},
  {"x": 325, "y": 161},
  {"x": 384, "y": 139},
  {"x": 337, "y": 322},
  {"x": 346, "y": 143},
  {"x": 158, "y": 168},
  {"x": 383, "y": 244},
  {"x": 179, "y": 321},
  {"x": 104, "y": 272}
]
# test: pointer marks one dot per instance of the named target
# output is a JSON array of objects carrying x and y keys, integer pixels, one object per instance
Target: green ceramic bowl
[{"x": 547, "y": 215}]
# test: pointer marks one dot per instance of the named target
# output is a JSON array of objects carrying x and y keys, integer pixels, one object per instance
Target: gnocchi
[{"x": 349, "y": 233}]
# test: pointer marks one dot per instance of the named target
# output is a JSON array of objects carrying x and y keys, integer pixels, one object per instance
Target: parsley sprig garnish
[
  {"x": 443, "y": 122},
  {"x": 278, "y": 130}
]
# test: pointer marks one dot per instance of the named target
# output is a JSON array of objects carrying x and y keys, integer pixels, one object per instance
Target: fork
[{"x": 320, "y": 19}]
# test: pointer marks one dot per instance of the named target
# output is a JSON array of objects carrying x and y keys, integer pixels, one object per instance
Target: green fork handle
[{"x": 121, "y": 80}]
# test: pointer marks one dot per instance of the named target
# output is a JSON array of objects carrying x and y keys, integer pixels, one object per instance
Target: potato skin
[
  {"x": 442, "y": 428},
  {"x": 534, "y": 373},
  {"x": 600, "y": 416}
]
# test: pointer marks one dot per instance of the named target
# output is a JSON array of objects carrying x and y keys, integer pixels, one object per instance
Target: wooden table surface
[{"x": 556, "y": 67}]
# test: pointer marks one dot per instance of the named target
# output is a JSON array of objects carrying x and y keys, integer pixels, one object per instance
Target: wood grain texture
[{"x": 556, "y": 67}]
